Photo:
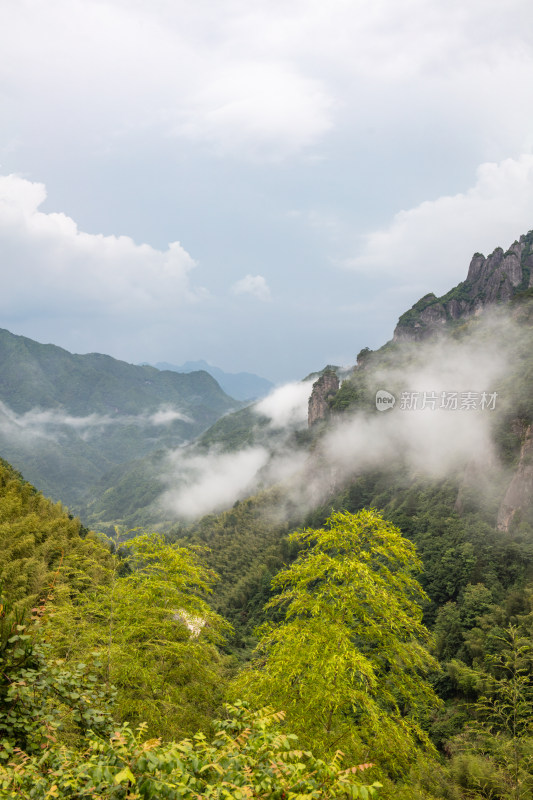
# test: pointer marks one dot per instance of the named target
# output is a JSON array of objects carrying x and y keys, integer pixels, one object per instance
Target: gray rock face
[
  {"x": 520, "y": 491},
  {"x": 324, "y": 388},
  {"x": 495, "y": 279}
]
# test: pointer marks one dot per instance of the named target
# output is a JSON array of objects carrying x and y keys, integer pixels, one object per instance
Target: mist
[
  {"x": 47, "y": 423},
  {"x": 286, "y": 406},
  {"x": 201, "y": 484},
  {"x": 440, "y": 437}
]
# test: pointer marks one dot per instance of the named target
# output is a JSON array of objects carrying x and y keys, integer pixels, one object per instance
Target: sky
[{"x": 264, "y": 185}]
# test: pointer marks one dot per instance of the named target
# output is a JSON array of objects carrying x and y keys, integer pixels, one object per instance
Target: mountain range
[
  {"x": 65, "y": 419},
  {"x": 477, "y": 337},
  {"x": 241, "y": 385},
  {"x": 110, "y": 438},
  {"x": 373, "y": 525}
]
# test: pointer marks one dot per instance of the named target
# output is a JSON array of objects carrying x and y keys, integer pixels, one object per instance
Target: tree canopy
[{"x": 348, "y": 658}]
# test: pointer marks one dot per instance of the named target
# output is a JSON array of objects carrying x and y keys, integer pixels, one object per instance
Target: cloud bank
[
  {"x": 286, "y": 406},
  {"x": 55, "y": 268},
  {"x": 433, "y": 242},
  {"x": 212, "y": 482},
  {"x": 265, "y": 79},
  {"x": 201, "y": 484},
  {"x": 430, "y": 442},
  {"x": 48, "y": 423}
]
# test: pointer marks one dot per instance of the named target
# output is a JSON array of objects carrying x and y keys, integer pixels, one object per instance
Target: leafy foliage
[
  {"x": 154, "y": 635},
  {"x": 45, "y": 699},
  {"x": 347, "y": 660},
  {"x": 42, "y": 546},
  {"x": 251, "y": 756},
  {"x": 493, "y": 756},
  {"x": 245, "y": 546}
]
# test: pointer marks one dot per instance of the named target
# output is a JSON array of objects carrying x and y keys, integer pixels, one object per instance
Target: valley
[{"x": 366, "y": 571}]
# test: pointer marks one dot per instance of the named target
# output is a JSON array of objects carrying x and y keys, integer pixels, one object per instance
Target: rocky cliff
[
  {"x": 324, "y": 388},
  {"x": 519, "y": 494},
  {"x": 491, "y": 280}
]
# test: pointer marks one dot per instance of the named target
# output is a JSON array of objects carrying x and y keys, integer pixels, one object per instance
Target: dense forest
[
  {"x": 341, "y": 658},
  {"x": 363, "y": 628}
]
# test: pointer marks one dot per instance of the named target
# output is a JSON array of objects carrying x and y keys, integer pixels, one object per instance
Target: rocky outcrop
[
  {"x": 495, "y": 279},
  {"x": 519, "y": 495},
  {"x": 479, "y": 484},
  {"x": 323, "y": 389}
]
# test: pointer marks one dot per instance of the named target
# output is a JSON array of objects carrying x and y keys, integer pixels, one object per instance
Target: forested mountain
[
  {"x": 241, "y": 385},
  {"x": 371, "y": 577},
  {"x": 96, "y": 646},
  {"x": 238, "y": 452},
  {"x": 67, "y": 419},
  {"x": 480, "y": 352}
]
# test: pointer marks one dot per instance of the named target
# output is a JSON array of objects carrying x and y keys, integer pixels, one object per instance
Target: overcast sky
[{"x": 266, "y": 185}]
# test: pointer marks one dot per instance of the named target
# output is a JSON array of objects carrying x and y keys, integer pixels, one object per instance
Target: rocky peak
[
  {"x": 323, "y": 389},
  {"x": 495, "y": 279}
]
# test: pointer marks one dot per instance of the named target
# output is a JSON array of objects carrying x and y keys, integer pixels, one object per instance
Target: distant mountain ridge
[
  {"x": 240, "y": 385},
  {"x": 66, "y": 419}
]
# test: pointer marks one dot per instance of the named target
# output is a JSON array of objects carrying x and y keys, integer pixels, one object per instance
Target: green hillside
[
  {"x": 375, "y": 592},
  {"x": 45, "y": 376},
  {"x": 88, "y": 649},
  {"x": 65, "y": 419}
]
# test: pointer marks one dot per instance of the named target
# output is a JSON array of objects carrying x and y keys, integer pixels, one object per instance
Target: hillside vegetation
[
  {"x": 92, "y": 640},
  {"x": 66, "y": 420},
  {"x": 360, "y": 625}
]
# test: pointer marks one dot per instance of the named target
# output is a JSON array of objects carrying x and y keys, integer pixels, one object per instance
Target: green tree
[
  {"x": 46, "y": 700},
  {"x": 348, "y": 659},
  {"x": 448, "y": 632},
  {"x": 41, "y": 546},
  {"x": 151, "y": 628},
  {"x": 493, "y": 757}
]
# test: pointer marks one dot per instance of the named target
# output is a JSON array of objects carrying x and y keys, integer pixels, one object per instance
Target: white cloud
[
  {"x": 286, "y": 405},
  {"x": 111, "y": 69},
  {"x": 143, "y": 115},
  {"x": 53, "y": 268},
  {"x": 254, "y": 285},
  {"x": 264, "y": 110},
  {"x": 428, "y": 442},
  {"x": 432, "y": 243},
  {"x": 201, "y": 484},
  {"x": 266, "y": 79},
  {"x": 49, "y": 422},
  {"x": 167, "y": 415}
]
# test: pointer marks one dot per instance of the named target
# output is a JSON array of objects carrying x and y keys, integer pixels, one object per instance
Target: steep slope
[
  {"x": 490, "y": 281},
  {"x": 38, "y": 537},
  {"x": 129, "y": 493},
  {"x": 470, "y": 515}
]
